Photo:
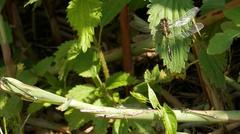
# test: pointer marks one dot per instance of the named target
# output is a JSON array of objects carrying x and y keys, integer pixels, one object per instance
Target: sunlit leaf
[
  {"x": 119, "y": 79},
  {"x": 83, "y": 16},
  {"x": 220, "y": 42},
  {"x": 169, "y": 119},
  {"x": 110, "y": 9},
  {"x": 120, "y": 126},
  {"x": 141, "y": 98},
  {"x": 81, "y": 92},
  {"x": 179, "y": 47},
  {"x": 153, "y": 98}
]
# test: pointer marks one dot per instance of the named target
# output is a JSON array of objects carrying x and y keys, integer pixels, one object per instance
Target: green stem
[
  {"x": 38, "y": 95},
  {"x": 5, "y": 125},
  {"x": 101, "y": 55}
]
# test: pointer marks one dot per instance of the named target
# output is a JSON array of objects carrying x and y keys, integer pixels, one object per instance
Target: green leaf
[
  {"x": 174, "y": 49},
  {"x": 83, "y": 16},
  {"x": 152, "y": 76},
  {"x": 209, "y": 5},
  {"x": 86, "y": 64},
  {"x": 119, "y": 79},
  {"x": 63, "y": 65},
  {"x": 136, "y": 4},
  {"x": 220, "y": 42},
  {"x": 153, "y": 98},
  {"x": 169, "y": 120},
  {"x": 101, "y": 125},
  {"x": 43, "y": 66},
  {"x": 213, "y": 68},
  {"x": 110, "y": 9},
  {"x": 229, "y": 25},
  {"x": 34, "y": 107},
  {"x": 141, "y": 127},
  {"x": 76, "y": 119},
  {"x": 141, "y": 98},
  {"x": 232, "y": 14},
  {"x": 81, "y": 93},
  {"x": 120, "y": 127},
  {"x": 12, "y": 108},
  {"x": 28, "y": 77}
]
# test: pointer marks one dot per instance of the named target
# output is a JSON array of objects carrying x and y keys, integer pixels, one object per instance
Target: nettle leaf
[
  {"x": 83, "y": 16},
  {"x": 153, "y": 98},
  {"x": 209, "y": 5},
  {"x": 178, "y": 45},
  {"x": 232, "y": 14},
  {"x": 87, "y": 64},
  {"x": 81, "y": 92},
  {"x": 119, "y": 79},
  {"x": 213, "y": 69},
  {"x": 63, "y": 65},
  {"x": 101, "y": 125},
  {"x": 115, "y": 6},
  {"x": 120, "y": 127},
  {"x": 43, "y": 66},
  {"x": 76, "y": 119},
  {"x": 169, "y": 120},
  {"x": 220, "y": 42}
]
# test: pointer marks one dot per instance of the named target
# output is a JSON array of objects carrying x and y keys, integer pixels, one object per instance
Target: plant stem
[
  {"x": 5, "y": 125},
  {"x": 101, "y": 56},
  {"x": 36, "y": 94}
]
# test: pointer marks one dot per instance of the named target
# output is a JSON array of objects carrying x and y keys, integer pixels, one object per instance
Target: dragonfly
[{"x": 165, "y": 26}]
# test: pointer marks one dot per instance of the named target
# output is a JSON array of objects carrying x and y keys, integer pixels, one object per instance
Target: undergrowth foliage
[{"x": 80, "y": 57}]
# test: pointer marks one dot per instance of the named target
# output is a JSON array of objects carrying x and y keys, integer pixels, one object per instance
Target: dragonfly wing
[
  {"x": 186, "y": 18},
  {"x": 194, "y": 29}
]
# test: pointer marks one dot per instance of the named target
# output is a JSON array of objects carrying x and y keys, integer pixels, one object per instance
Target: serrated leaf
[
  {"x": 179, "y": 46},
  {"x": 100, "y": 125},
  {"x": 119, "y": 79},
  {"x": 76, "y": 119},
  {"x": 232, "y": 14},
  {"x": 220, "y": 42},
  {"x": 115, "y": 6},
  {"x": 169, "y": 120},
  {"x": 213, "y": 69},
  {"x": 153, "y": 98},
  {"x": 83, "y": 16},
  {"x": 81, "y": 92},
  {"x": 43, "y": 66},
  {"x": 86, "y": 64},
  {"x": 120, "y": 127},
  {"x": 209, "y": 5}
]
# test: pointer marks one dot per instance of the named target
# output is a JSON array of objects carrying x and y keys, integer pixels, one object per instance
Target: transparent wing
[
  {"x": 194, "y": 29},
  {"x": 186, "y": 18}
]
